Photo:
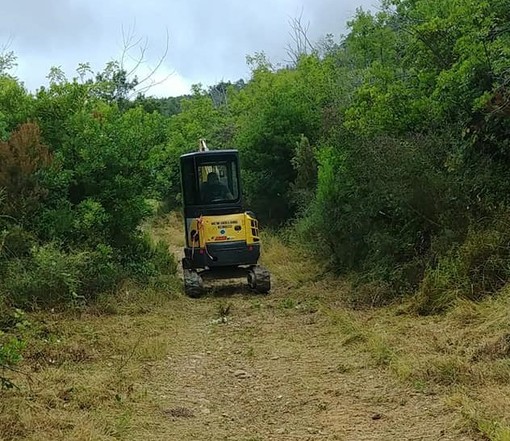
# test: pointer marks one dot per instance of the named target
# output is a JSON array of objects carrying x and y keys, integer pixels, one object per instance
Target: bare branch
[
  {"x": 300, "y": 43},
  {"x": 134, "y": 57},
  {"x": 153, "y": 71},
  {"x": 141, "y": 58},
  {"x": 7, "y": 57},
  {"x": 129, "y": 42}
]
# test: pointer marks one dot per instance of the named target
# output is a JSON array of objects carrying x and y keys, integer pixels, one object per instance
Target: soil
[
  {"x": 267, "y": 371},
  {"x": 250, "y": 367}
]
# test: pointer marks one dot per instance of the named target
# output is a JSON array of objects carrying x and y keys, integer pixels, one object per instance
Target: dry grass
[
  {"x": 289, "y": 266},
  {"x": 296, "y": 364},
  {"x": 168, "y": 228},
  {"x": 84, "y": 372},
  {"x": 462, "y": 357},
  {"x": 487, "y": 414}
]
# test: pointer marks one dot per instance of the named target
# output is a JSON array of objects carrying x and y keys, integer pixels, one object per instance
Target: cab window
[{"x": 218, "y": 182}]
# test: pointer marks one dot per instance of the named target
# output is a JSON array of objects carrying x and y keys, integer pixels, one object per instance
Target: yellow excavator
[{"x": 222, "y": 239}]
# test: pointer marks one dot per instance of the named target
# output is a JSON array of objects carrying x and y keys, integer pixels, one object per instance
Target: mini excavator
[{"x": 222, "y": 239}]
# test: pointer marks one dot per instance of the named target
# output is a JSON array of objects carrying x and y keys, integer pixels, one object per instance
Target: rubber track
[
  {"x": 193, "y": 284},
  {"x": 262, "y": 279}
]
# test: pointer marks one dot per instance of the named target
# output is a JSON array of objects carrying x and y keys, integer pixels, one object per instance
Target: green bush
[
  {"x": 10, "y": 355},
  {"x": 145, "y": 259},
  {"x": 47, "y": 278},
  {"x": 51, "y": 277},
  {"x": 473, "y": 270},
  {"x": 100, "y": 271},
  {"x": 164, "y": 261},
  {"x": 13, "y": 325},
  {"x": 16, "y": 242}
]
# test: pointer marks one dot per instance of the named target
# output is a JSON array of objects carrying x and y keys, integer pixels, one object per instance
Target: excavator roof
[{"x": 210, "y": 153}]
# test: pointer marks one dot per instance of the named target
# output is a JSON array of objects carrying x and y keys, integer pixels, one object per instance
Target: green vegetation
[
  {"x": 386, "y": 152},
  {"x": 383, "y": 157},
  {"x": 407, "y": 121},
  {"x": 140, "y": 364},
  {"x": 76, "y": 174}
]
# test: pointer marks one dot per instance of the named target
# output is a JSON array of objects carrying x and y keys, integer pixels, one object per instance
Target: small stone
[
  {"x": 376, "y": 416},
  {"x": 241, "y": 374},
  {"x": 180, "y": 412}
]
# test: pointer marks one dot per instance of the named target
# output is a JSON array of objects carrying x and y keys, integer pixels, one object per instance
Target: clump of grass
[
  {"x": 369, "y": 294},
  {"x": 289, "y": 265},
  {"x": 439, "y": 289},
  {"x": 167, "y": 228},
  {"x": 478, "y": 417},
  {"x": 445, "y": 370},
  {"x": 350, "y": 328},
  {"x": 223, "y": 310},
  {"x": 132, "y": 298},
  {"x": 495, "y": 349},
  {"x": 380, "y": 350},
  {"x": 288, "y": 303},
  {"x": 474, "y": 270}
]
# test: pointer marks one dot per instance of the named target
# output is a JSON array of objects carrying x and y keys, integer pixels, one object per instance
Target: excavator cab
[{"x": 222, "y": 240}]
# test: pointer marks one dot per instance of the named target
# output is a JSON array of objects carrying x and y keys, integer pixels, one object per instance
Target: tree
[{"x": 21, "y": 158}]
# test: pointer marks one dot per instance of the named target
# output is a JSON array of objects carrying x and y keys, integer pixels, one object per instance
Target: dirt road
[
  {"x": 273, "y": 369},
  {"x": 278, "y": 367}
]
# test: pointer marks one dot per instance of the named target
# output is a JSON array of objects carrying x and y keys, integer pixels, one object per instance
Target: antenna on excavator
[{"x": 202, "y": 146}]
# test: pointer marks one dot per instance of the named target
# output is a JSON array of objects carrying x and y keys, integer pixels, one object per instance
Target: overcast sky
[{"x": 207, "y": 40}]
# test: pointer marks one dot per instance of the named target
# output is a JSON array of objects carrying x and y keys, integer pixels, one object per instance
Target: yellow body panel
[{"x": 222, "y": 228}]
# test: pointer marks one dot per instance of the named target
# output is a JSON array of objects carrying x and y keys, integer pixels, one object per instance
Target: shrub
[
  {"x": 12, "y": 326},
  {"x": 16, "y": 242},
  {"x": 164, "y": 261},
  {"x": 10, "y": 355},
  {"x": 47, "y": 278},
  {"x": 21, "y": 158},
  {"x": 144, "y": 259},
  {"x": 477, "y": 268},
  {"x": 100, "y": 271},
  {"x": 51, "y": 277}
]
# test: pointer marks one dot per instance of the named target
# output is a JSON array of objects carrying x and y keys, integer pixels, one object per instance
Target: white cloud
[
  {"x": 164, "y": 82},
  {"x": 208, "y": 40}
]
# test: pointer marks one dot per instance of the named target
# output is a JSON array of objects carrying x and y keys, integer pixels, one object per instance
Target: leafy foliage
[
  {"x": 388, "y": 151},
  {"x": 76, "y": 172},
  {"x": 22, "y": 157},
  {"x": 13, "y": 325},
  {"x": 419, "y": 157}
]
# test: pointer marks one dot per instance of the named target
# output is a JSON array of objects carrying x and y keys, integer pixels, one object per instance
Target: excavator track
[
  {"x": 259, "y": 279},
  {"x": 193, "y": 284}
]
